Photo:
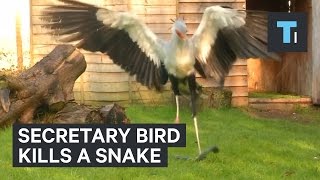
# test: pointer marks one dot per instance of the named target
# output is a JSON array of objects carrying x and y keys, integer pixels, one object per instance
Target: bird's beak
[{"x": 182, "y": 36}]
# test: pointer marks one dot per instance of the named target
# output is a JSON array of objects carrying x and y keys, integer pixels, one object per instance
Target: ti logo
[{"x": 287, "y": 32}]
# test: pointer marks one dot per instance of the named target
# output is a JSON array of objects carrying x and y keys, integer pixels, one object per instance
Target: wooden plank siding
[
  {"x": 105, "y": 82},
  {"x": 316, "y": 52}
]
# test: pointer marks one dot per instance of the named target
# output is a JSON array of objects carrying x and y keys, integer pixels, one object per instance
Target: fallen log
[
  {"x": 4, "y": 96},
  {"x": 74, "y": 113},
  {"x": 48, "y": 83}
]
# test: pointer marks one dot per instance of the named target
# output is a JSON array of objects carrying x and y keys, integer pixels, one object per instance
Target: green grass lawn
[
  {"x": 272, "y": 95},
  {"x": 250, "y": 148}
]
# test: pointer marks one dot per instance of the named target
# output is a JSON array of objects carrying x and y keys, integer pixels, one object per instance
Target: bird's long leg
[
  {"x": 177, "y": 105},
  {"x": 197, "y": 133},
  {"x": 192, "y": 87},
  {"x": 175, "y": 89}
]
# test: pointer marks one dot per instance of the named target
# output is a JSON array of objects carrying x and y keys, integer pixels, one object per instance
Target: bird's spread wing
[
  {"x": 129, "y": 42},
  {"x": 225, "y": 34}
]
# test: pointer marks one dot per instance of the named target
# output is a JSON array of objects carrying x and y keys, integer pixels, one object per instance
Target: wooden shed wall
[
  {"x": 316, "y": 52},
  {"x": 104, "y": 81}
]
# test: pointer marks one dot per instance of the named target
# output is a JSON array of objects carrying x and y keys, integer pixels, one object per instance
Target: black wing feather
[
  {"x": 248, "y": 41},
  {"x": 78, "y": 22}
]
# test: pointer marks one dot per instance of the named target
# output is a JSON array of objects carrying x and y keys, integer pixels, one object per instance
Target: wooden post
[
  {"x": 316, "y": 52},
  {"x": 31, "y": 35},
  {"x": 177, "y": 9},
  {"x": 19, "y": 40}
]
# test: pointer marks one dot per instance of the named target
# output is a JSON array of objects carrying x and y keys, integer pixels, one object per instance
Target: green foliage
[
  {"x": 8, "y": 59},
  {"x": 219, "y": 98},
  {"x": 250, "y": 148}
]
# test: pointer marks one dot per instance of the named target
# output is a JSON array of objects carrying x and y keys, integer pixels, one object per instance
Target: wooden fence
[{"x": 104, "y": 81}]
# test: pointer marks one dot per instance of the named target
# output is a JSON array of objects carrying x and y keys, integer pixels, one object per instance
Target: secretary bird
[{"x": 223, "y": 35}]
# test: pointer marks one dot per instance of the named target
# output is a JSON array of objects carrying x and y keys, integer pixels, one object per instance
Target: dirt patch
[{"x": 302, "y": 116}]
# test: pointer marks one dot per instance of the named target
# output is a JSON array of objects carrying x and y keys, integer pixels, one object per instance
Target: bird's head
[{"x": 180, "y": 29}]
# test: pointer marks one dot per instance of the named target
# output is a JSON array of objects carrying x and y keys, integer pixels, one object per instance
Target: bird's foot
[{"x": 177, "y": 121}]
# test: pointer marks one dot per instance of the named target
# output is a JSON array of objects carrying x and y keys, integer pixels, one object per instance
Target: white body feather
[{"x": 179, "y": 60}]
